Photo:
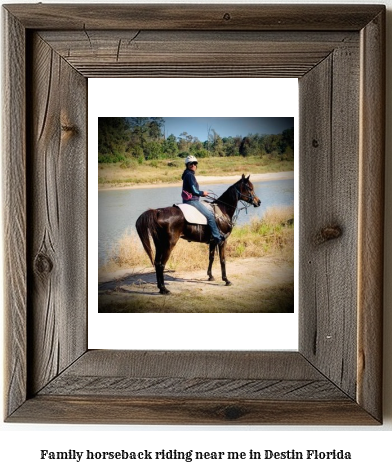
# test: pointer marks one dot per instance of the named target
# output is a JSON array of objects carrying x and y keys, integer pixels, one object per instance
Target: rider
[{"x": 191, "y": 195}]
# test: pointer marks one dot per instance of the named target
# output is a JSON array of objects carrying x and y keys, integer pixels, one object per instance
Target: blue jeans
[{"x": 209, "y": 215}]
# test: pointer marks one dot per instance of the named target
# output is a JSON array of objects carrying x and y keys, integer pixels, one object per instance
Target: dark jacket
[{"x": 190, "y": 187}]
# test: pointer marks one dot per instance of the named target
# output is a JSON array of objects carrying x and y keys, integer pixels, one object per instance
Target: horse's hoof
[
  {"x": 164, "y": 291},
  {"x": 228, "y": 283},
  {"x": 211, "y": 278}
]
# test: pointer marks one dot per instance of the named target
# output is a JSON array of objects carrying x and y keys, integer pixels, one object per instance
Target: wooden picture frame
[{"x": 338, "y": 54}]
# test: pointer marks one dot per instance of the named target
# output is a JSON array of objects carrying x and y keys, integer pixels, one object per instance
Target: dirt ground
[{"x": 259, "y": 285}]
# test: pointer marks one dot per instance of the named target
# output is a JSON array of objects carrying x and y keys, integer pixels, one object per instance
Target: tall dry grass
[
  {"x": 271, "y": 235},
  {"x": 170, "y": 171}
]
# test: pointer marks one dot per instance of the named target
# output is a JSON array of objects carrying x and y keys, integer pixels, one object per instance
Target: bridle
[
  {"x": 247, "y": 200},
  {"x": 250, "y": 198}
]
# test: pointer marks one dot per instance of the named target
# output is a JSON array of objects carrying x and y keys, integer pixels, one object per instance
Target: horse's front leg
[
  {"x": 212, "y": 255},
  {"x": 222, "y": 253}
]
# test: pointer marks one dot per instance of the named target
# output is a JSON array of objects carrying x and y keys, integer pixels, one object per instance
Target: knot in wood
[
  {"x": 315, "y": 143},
  {"x": 69, "y": 128},
  {"x": 43, "y": 264},
  {"x": 233, "y": 412},
  {"x": 328, "y": 233},
  {"x": 227, "y": 16}
]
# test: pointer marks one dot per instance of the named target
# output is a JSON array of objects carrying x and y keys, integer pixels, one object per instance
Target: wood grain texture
[
  {"x": 193, "y": 17},
  {"x": 201, "y": 387},
  {"x": 192, "y": 387},
  {"x": 57, "y": 214},
  {"x": 338, "y": 52},
  {"x": 128, "y": 53},
  {"x": 208, "y": 364},
  {"x": 14, "y": 209},
  {"x": 371, "y": 216},
  {"x": 103, "y": 409},
  {"x": 206, "y": 374},
  {"x": 329, "y": 135}
]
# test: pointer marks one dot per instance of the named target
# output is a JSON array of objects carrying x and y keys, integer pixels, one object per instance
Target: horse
[{"x": 167, "y": 225}]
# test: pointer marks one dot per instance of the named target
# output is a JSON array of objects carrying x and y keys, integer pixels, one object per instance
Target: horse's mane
[{"x": 228, "y": 199}]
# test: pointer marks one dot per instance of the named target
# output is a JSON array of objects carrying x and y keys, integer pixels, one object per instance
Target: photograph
[{"x": 190, "y": 206}]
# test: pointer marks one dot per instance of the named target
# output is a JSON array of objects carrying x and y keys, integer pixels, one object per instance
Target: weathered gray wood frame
[{"x": 337, "y": 52}]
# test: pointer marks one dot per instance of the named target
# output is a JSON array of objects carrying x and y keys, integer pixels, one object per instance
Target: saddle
[{"x": 193, "y": 216}]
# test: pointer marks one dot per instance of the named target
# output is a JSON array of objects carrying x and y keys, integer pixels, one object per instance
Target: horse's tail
[{"x": 146, "y": 225}]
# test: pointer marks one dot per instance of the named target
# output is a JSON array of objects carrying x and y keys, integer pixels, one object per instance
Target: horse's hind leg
[
  {"x": 159, "y": 268},
  {"x": 212, "y": 255},
  {"x": 163, "y": 252},
  {"x": 222, "y": 257}
]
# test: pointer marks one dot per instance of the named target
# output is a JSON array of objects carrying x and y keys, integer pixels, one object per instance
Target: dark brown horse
[{"x": 167, "y": 225}]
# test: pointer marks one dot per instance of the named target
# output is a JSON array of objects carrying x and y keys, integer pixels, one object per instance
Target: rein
[{"x": 246, "y": 200}]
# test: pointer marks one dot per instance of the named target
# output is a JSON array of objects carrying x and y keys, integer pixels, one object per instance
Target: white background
[
  {"x": 162, "y": 98},
  {"x": 370, "y": 447}
]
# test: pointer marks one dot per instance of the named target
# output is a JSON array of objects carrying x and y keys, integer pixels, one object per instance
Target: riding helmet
[{"x": 190, "y": 159}]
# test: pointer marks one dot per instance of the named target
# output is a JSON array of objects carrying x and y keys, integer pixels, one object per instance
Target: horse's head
[{"x": 246, "y": 191}]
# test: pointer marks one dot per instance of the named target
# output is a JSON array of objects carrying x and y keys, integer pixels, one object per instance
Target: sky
[{"x": 226, "y": 127}]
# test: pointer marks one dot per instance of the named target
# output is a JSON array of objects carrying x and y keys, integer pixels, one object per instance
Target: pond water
[{"x": 119, "y": 209}]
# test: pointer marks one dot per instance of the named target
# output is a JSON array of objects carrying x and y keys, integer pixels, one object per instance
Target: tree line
[{"x": 141, "y": 138}]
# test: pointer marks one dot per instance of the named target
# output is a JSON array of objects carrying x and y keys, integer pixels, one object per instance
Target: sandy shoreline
[{"x": 202, "y": 180}]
